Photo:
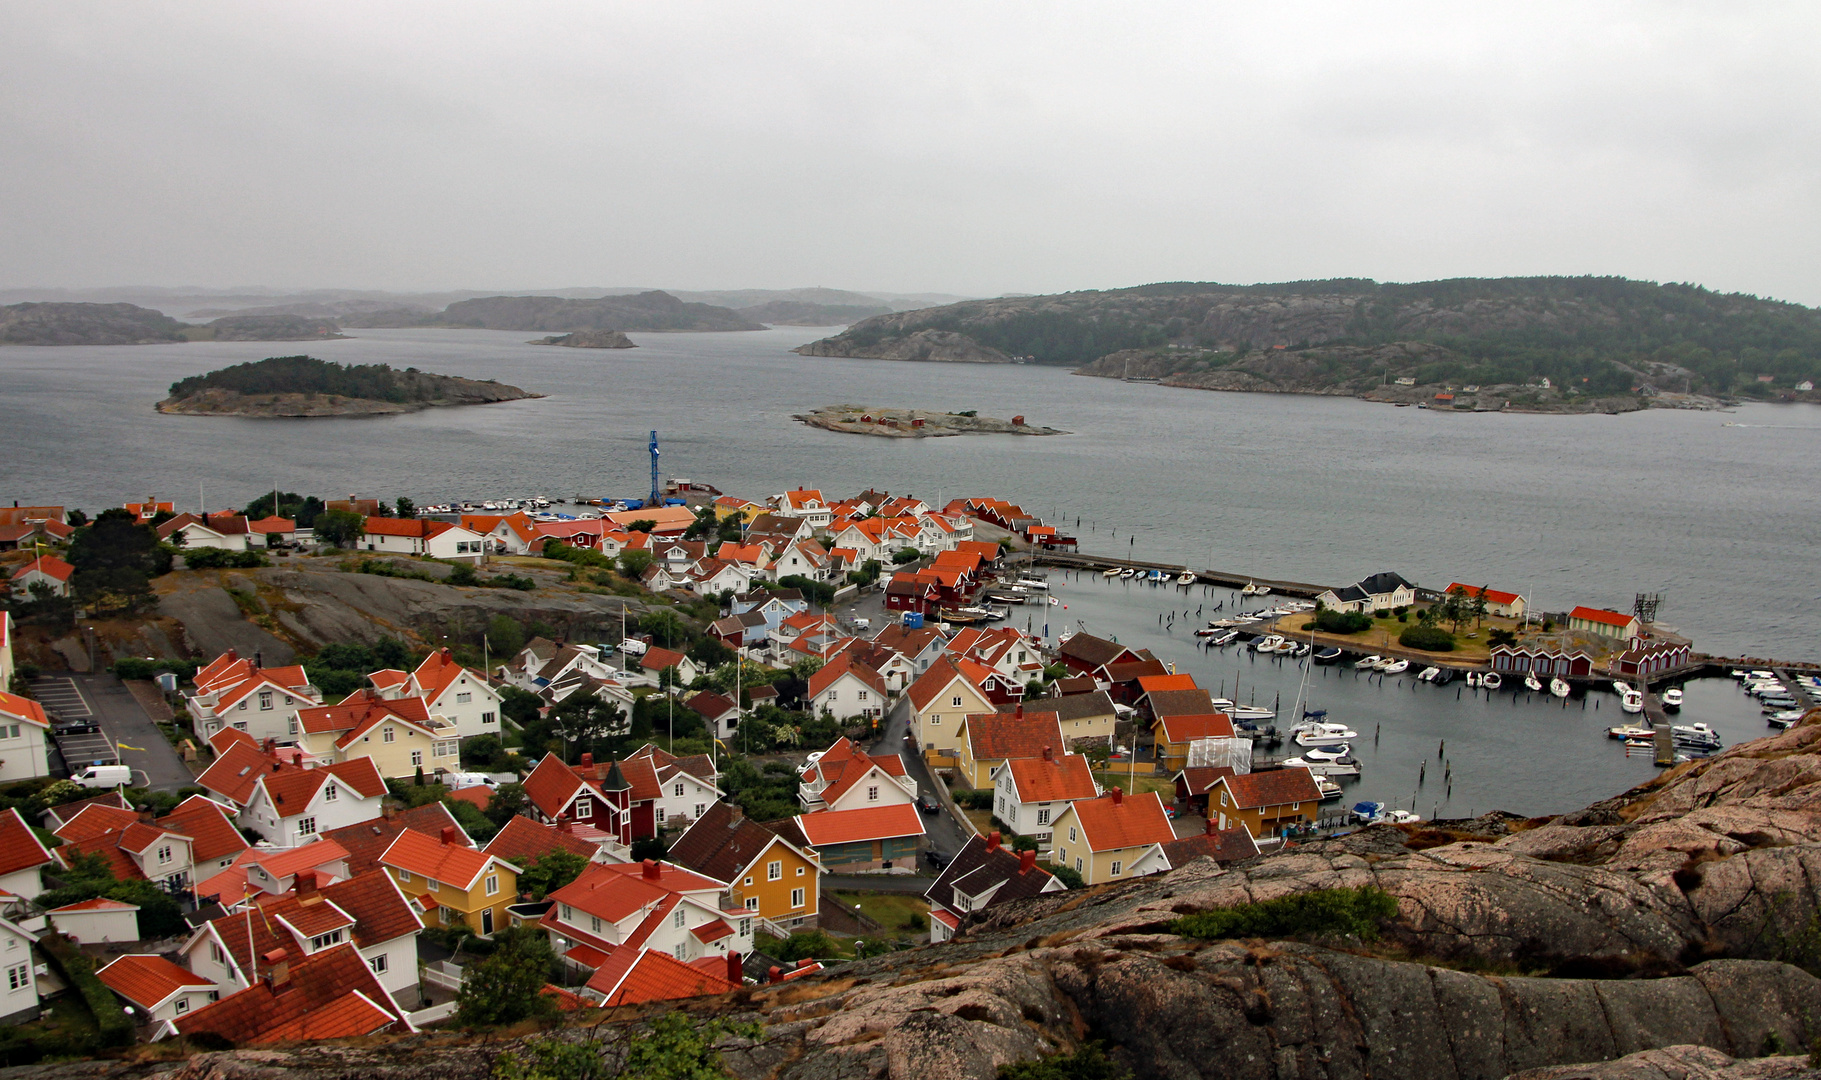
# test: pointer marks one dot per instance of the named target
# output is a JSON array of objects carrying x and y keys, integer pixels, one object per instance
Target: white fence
[
  {"x": 443, "y": 973},
  {"x": 432, "y": 1014}
]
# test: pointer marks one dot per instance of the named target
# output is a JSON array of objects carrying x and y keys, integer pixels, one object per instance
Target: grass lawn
[
  {"x": 890, "y": 910},
  {"x": 982, "y": 819},
  {"x": 1138, "y": 785}
]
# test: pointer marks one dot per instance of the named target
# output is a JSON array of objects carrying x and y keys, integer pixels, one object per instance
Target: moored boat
[
  {"x": 1267, "y": 643},
  {"x": 1491, "y": 680},
  {"x": 1327, "y": 656},
  {"x": 1321, "y": 733},
  {"x": 1696, "y": 735},
  {"x": 1340, "y": 767},
  {"x": 1629, "y": 731},
  {"x": 1185, "y": 578},
  {"x": 1558, "y": 688},
  {"x": 1428, "y": 674},
  {"x": 1225, "y": 637},
  {"x": 1531, "y": 682},
  {"x": 1672, "y": 698},
  {"x": 1631, "y": 701},
  {"x": 1397, "y": 667},
  {"x": 1111, "y": 571},
  {"x": 1365, "y": 662}
]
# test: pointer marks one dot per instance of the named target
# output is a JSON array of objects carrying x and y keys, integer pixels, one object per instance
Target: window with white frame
[
  {"x": 265, "y": 699},
  {"x": 584, "y": 809},
  {"x": 493, "y": 884},
  {"x": 774, "y": 870},
  {"x": 417, "y": 757},
  {"x": 872, "y": 793},
  {"x": 164, "y": 854},
  {"x": 957, "y": 701},
  {"x": 445, "y": 748},
  {"x": 323, "y": 941},
  {"x": 1043, "y": 816},
  {"x": 680, "y": 919},
  {"x": 19, "y": 977},
  {"x": 463, "y": 699},
  {"x": 752, "y": 903},
  {"x": 379, "y": 964},
  {"x": 594, "y": 923},
  {"x": 1115, "y": 868},
  {"x": 677, "y": 790},
  {"x": 306, "y": 826},
  {"x": 745, "y": 927},
  {"x": 386, "y": 734},
  {"x": 661, "y": 815},
  {"x": 796, "y": 898},
  {"x": 488, "y": 718},
  {"x": 329, "y": 793},
  {"x": 183, "y": 1005}
]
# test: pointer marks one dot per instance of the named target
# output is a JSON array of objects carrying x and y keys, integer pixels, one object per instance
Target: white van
[
  {"x": 102, "y": 776},
  {"x": 632, "y": 647},
  {"x": 456, "y": 781}
]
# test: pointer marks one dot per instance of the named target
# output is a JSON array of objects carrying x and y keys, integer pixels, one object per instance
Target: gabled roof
[
  {"x": 998, "y": 736},
  {"x": 1080, "y": 706},
  {"x": 25, "y": 709},
  {"x": 1156, "y": 683},
  {"x": 49, "y": 565},
  {"x": 63, "y": 813},
  {"x": 656, "y": 976},
  {"x": 20, "y": 848},
  {"x": 552, "y": 786},
  {"x": 843, "y": 765},
  {"x": 291, "y": 789},
  {"x": 825, "y": 827},
  {"x": 1493, "y": 596},
  {"x": 1273, "y": 787},
  {"x": 710, "y": 705},
  {"x": 438, "y": 672},
  {"x": 1224, "y": 846},
  {"x": 1199, "y": 779},
  {"x": 313, "y": 1004},
  {"x": 1053, "y": 779},
  {"x": 378, "y": 909},
  {"x": 1383, "y": 583},
  {"x": 657, "y": 659},
  {"x": 1209, "y": 725},
  {"x": 212, "y": 835},
  {"x": 1601, "y": 615},
  {"x": 1093, "y": 651},
  {"x": 613, "y": 897},
  {"x": 1195, "y": 702},
  {"x": 147, "y": 980},
  {"x": 237, "y": 771},
  {"x": 523, "y": 841},
  {"x": 830, "y": 673},
  {"x": 94, "y": 820},
  {"x": 366, "y": 841},
  {"x": 982, "y": 863},
  {"x": 1114, "y": 821},
  {"x": 942, "y": 671},
  {"x": 451, "y": 864},
  {"x": 721, "y": 846}
]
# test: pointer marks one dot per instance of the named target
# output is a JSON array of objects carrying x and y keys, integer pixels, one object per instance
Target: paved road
[
  {"x": 943, "y": 834},
  {"x": 142, "y": 746}
]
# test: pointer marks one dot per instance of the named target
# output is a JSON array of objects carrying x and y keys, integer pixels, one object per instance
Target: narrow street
[
  {"x": 101, "y": 697},
  {"x": 944, "y": 834}
]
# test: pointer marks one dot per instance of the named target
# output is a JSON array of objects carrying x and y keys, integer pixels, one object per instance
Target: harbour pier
[{"x": 1301, "y": 590}]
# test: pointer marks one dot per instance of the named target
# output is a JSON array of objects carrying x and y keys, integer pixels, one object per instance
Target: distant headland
[{"x": 303, "y": 386}]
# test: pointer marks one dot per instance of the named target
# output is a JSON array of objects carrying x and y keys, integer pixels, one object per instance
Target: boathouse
[
  {"x": 1649, "y": 657},
  {"x": 1611, "y": 624},
  {"x": 1543, "y": 660}
]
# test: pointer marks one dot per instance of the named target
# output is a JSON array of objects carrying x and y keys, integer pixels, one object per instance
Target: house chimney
[
  {"x": 448, "y": 835},
  {"x": 1026, "y": 860},
  {"x": 587, "y": 761},
  {"x": 993, "y": 840},
  {"x": 775, "y": 974},
  {"x": 563, "y": 825},
  {"x": 233, "y": 655},
  {"x": 388, "y": 811},
  {"x": 649, "y": 869},
  {"x": 1213, "y": 829},
  {"x": 272, "y": 747},
  {"x": 735, "y": 974},
  {"x": 1019, "y": 710},
  {"x": 306, "y": 883},
  {"x": 1118, "y": 796},
  {"x": 1049, "y": 754},
  {"x": 735, "y": 814},
  {"x": 279, "y": 969}
]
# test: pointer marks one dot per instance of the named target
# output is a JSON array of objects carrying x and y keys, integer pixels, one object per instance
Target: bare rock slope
[{"x": 1659, "y": 919}]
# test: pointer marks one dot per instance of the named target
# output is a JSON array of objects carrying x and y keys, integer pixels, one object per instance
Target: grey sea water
[{"x": 1722, "y": 520}]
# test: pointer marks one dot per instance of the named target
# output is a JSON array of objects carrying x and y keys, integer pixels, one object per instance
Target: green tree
[
  {"x": 483, "y": 752},
  {"x": 89, "y": 876},
  {"x": 710, "y": 653},
  {"x": 506, "y": 802},
  {"x": 405, "y": 507},
  {"x": 705, "y": 525},
  {"x": 1068, "y": 876},
  {"x": 634, "y": 562},
  {"x": 664, "y": 627},
  {"x": 520, "y": 706},
  {"x": 583, "y": 718},
  {"x": 505, "y": 635},
  {"x": 504, "y": 987},
  {"x": 1088, "y": 1063},
  {"x": 339, "y": 527},
  {"x": 905, "y": 555},
  {"x": 115, "y": 560},
  {"x": 644, "y": 525},
  {"x": 551, "y": 871}
]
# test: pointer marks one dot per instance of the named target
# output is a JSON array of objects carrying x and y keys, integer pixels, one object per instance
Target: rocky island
[
  {"x": 652, "y": 311},
  {"x": 587, "y": 339},
  {"x": 129, "y": 324},
  {"x": 305, "y": 386},
  {"x": 1545, "y": 344},
  {"x": 916, "y": 423}
]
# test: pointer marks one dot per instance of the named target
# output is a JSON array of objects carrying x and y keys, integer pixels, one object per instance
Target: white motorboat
[
  {"x": 1631, "y": 701},
  {"x": 1784, "y": 718},
  {"x": 1031, "y": 583},
  {"x": 1284, "y": 647},
  {"x": 1629, "y": 731},
  {"x": 1261, "y": 590},
  {"x": 1321, "y": 733},
  {"x": 1303, "y": 649},
  {"x": 1328, "y": 788},
  {"x": 1383, "y": 662},
  {"x": 1428, "y": 674},
  {"x": 1397, "y": 667},
  {"x": 1696, "y": 735},
  {"x": 1672, "y": 698},
  {"x": 1128, "y": 572},
  {"x": 1251, "y": 713},
  {"x": 1558, "y": 688},
  {"x": 1328, "y": 753},
  {"x": 1185, "y": 578},
  {"x": 1111, "y": 571},
  {"x": 1531, "y": 682},
  {"x": 1366, "y": 662},
  {"x": 1620, "y": 686},
  {"x": 1491, "y": 680},
  {"x": 1267, "y": 643},
  {"x": 1345, "y": 767}
]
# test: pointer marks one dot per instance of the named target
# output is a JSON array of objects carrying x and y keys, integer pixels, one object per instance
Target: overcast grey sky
[{"x": 975, "y": 148}]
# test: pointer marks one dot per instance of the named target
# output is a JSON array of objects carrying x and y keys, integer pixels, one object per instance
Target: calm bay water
[{"x": 1569, "y": 509}]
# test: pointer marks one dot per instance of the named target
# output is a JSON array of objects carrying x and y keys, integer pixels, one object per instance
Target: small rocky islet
[{"x": 893, "y": 423}]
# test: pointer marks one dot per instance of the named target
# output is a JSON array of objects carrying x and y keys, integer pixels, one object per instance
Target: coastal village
[{"x": 338, "y": 864}]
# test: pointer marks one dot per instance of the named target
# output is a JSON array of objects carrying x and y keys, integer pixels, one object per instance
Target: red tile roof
[
  {"x": 657, "y": 659},
  {"x": 1150, "y": 683},
  {"x": 1182, "y": 729},
  {"x": 49, "y": 565},
  {"x": 438, "y": 672},
  {"x": 829, "y": 673},
  {"x": 1601, "y": 615},
  {"x": 655, "y": 976},
  {"x": 930, "y": 685},
  {"x": 310, "y": 1005},
  {"x": 366, "y": 841},
  {"x": 1054, "y": 779},
  {"x": 998, "y": 736},
  {"x": 523, "y": 840},
  {"x": 236, "y": 772},
  {"x": 1133, "y": 821},
  {"x": 23, "y": 709},
  {"x": 452, "y": 864},
  {"x": 1273, "y": 787},
  {"x": 99, "y": 903},
  {"x": 379, "y": 911},
  {"x": 824, "y": 827},
  {"x": 212, "y": 835},
  {"x": 551, "y": 786},
  {"x": 610, "y": 896},
  {"x": 1493, "y": 596},
  {"x": 147, "y": 980}
]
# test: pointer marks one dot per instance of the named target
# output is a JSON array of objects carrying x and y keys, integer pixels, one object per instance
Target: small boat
[
  {"x": 1261, "y": 590},
  {"x": 1267, "y": 643},
  {"x": 1111, "y": 571},
  {"x": 1558, "y": 688},
  {"x": 1156, "y": 576},
  {"x": 1320, "y": 733},
  {"x": 1249, "y": 713},
  {"x": 1491, "y": 680},
  {"x": 1209, "y": 631},
  {"x": 1367, "y": 662},
  {"x": 1367, "y": 813},
  {"x": 1328, "y": 788},
  {"x": 1783, "y": 719},
  {"x": 1225, "y": 637},
  {"x": 1249, "y": 590},
  {"x": 1473, "y": 678},
  {"x": 1397, "y": 667},
  {"x": 1446, "y": 677},
  {"x": 1337, "y": 767},
  {"x": 1631, "y": 701},
  {"x": 1672, "y": 698},
  {"x": 1699, "y": 735},
  {"x": 1031, "y": 583},
  {"x": 1185, "y": 578},
  {"x": 1284, "y": 647},
  {"x": 1428, "y": 674},
  {"x": 1328, "y": 753},
  {"x": 1128, "y": 572},
  {"x": 1531, "y": 683},
  {"x": 1383, "y": 663},
  {"x": 1327, "y": 656},
  {"x": 1620, "y": 686},
  {"x": 1777, "y": 704},
  {"x": 1630, "y": 731},
  {"x": 1302, "y": 649}
]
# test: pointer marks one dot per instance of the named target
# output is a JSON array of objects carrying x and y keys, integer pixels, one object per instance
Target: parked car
[
  {"x": 928, "y": 805},
  {"x": 102, "y": 776},
  {"x": 937, "y": 861},
  {"x": 632, "y": 647},
  {"x": 74, "y": 727}
]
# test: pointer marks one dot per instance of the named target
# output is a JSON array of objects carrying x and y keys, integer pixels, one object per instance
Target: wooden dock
[{"x": 1301, "y": 590}]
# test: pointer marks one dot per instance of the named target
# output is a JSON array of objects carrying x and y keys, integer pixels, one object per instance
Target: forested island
[
  {"x": 654, "y": 310},
  {"x": 306, "y": 386},
  {"x": 588, "y": 339},
  {"x": 1546, "y": 343}
]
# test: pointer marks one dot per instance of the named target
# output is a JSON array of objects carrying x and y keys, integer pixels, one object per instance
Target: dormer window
[
  {"x": 164, "y": 854},
  {"x": 323, "y": 941}
]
